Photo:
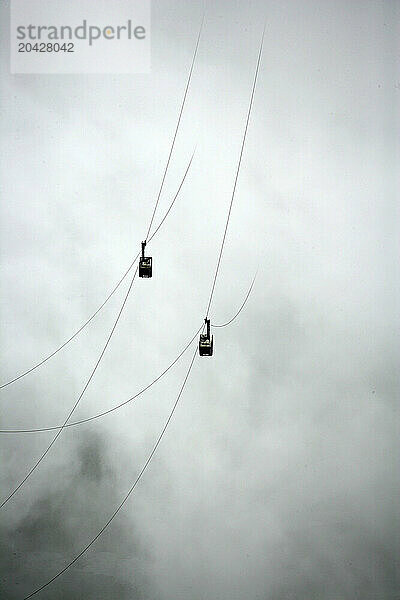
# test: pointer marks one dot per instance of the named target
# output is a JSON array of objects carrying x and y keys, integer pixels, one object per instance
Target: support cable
[
  {"x": 241, "y": 307},
  {"x": 177, "y": 125},
  {"x": 133, "y": 486},
  {"x": 237, "y": 173},
  {"x": 117, "y": 510},
  {"x": 15, "y": 490},
  {"x": 118, "y": 406},
  {"x": 114, "y": 408},
  {"x": 115, "y": 288},
  {"x": 53, "y": 441}
]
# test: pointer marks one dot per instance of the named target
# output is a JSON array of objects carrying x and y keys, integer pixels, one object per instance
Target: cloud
[
  {"x": 61, "y": 521},
  {"x": 278, "y": 476}
]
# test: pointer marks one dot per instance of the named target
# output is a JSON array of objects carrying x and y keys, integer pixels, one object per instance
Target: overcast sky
[{"x": 277, "y": 478}]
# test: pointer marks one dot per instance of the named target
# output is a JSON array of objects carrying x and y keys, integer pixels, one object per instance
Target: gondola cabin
[
  {"x": 145, "y": 264},
  {"x": 206, "y": 342}
]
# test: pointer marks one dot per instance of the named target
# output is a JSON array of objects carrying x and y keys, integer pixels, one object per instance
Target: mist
[{"x": 278, "y": 476}]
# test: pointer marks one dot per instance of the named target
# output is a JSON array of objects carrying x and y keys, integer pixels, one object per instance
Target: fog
[{"x": 278, "y": 476}]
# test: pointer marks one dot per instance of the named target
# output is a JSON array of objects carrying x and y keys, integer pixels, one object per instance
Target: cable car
[
  {"x": 145, "y": 264},
  {"x": 206, "y": 342}
]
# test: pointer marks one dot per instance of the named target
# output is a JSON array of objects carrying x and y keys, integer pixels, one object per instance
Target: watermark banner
[{"x": 80, "y": 36}]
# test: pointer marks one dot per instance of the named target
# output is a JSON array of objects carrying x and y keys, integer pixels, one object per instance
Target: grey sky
[{"x": 278, "y": 476}]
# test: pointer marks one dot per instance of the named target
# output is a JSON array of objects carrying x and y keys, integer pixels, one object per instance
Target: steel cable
[
  {"x": 237, "y": 172},
  {"x": 241, "y": 306},
  {"x": 116, "y": 511},
  {"x": 114, "y": 408},
  {"x": 177, "y": 125},
  {"x": 37, "y": 463},
  {"x": 115, "y": 288}
]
